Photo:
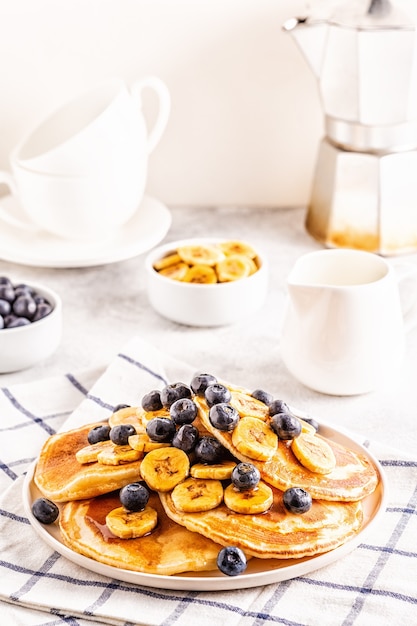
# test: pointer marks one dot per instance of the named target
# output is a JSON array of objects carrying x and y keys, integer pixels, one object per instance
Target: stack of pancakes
[{"x": 69, "y": 472}]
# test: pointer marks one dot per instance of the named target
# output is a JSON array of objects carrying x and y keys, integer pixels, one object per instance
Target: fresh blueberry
[
  {"x": 17, "y": 321},
  {"x": 245, "y": 476},
  {"x": 23, "y": 290},
  {"x": 7, "y": 293},
  {"x": 1, "y": 322},
  {"x": 217, "y": 393},
  {"x": 183, "y": 411},
  {"x": 200, "y": 382},
  {"x": 119, "y": 407},
  {"x": 278, "y": 406},
  {"x": 152, "y": 401},
  {"x": 186, "y": 438},
  {"x": 312, "y": 422},
  {"x": 231, "y": 561},
  {"x": 297, "y": 500},
  {"x": 99, "y": 433},
  {"x": 5, "y": 307},
  {"x": 286, "y": 425},
  {"x": 120, "y": 434},
  {"x": 45, "y": 510},
  {"x": 160, "y": 429},
  {"x": 134, "y": 497},
  {"x": 4, "y": 280},
  {"x": 223, "y": 416},
  {"x": 173, "y": 392},
  {"x": 263, "y": 396},
  {"x": 24, "y": 306},
  {"x": 209, "y": 450},
  {"x": 43, "y": 309}
]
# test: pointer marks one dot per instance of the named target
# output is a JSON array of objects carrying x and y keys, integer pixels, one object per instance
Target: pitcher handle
[
  {"x": 164, "y": 101},
  {"x": 405, "y": 270},
  {"x": 8, "y": 180}
]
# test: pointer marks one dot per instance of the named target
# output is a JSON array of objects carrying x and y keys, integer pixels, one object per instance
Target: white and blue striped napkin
[{"x": 376, "y": 584}]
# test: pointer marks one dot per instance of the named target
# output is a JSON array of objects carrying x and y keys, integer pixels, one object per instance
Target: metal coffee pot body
[{"x": 364, "y": 192}]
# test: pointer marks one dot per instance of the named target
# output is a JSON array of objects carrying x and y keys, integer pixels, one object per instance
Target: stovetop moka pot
[{"x": 364, "y": 192}]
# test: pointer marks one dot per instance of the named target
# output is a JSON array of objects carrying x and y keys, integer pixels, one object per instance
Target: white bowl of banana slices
[{"x": 206, "y": 281}]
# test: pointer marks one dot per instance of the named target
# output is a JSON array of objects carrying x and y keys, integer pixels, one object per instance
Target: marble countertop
[{"x": 105, "y": 306}]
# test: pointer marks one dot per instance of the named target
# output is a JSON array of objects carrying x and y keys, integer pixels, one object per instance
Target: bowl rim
[
  {"x": 51, "y": 295},
  {"x": 158, "y": 251}
]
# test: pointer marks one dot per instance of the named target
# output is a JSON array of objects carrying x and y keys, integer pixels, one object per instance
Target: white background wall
[{"x": 246, "y": 118}]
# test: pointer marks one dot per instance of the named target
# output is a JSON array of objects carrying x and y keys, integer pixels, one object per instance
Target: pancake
[
  {"x": 167, "y": 550},
  {"x": 60, "y": 477},
  {"x": 276, "y": 533},
  {"x": 353, "y": 478}
]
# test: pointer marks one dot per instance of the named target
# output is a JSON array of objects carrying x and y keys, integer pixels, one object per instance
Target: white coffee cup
[
  {"x": 83, "y": 171},
  {"x": 343, "y": 329}
]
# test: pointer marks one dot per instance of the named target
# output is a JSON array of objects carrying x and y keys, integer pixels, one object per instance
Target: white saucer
[{"x": 41, "y": 249}]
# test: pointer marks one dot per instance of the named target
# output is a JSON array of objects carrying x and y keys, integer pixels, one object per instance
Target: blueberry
[
  {"x": 119, "y": 407},
  {"x": 200, "y": 382},
  {"x": 24, "y": 306},
  {"x": 231, "y": 561},
  {"x": 223, "y": 416},
  {"x": 186, "y": 438},
  {"x": 209, "y": 450},
  {"x": 297, "y": 500},
  {"x": 1, "y": 322},
  {"x": 45, "y": 510},
  {"x": 286, "y": 425},
  {"x": 173, "y": 392},
  {"x": 312, "y": 422},
  {"x": 99, "y": 433},
  {"x": 17, "y": 321},
  {"x": 134, "y": 497},
  {"x": 120, "y": 434},
  {"x": 152, "y": 401},
  {"x": 43, "y": 309},
  {"x": 5, "y": 307},
  {"x": 183, "y": 411},
  {"x": 23, "y": 290},
  {"x": 263, "y": 396},
  {"x": 160, "y": 429},
  {"x": 217, "y": 393},
  {"x": 278, "y": 406},
  {"x": 7, "y": 293},
  {"x": 245, "y": 476},
  {"x": 5, "y": 281}
]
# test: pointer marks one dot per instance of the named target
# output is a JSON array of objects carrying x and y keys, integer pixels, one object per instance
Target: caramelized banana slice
[
  {"x": 255, "y": 439},
  {"x": 165, "y": 468},
  {"x": 127, "y": 415},
  {"x": 246, "y": 405},
  {"x": 176, "y": 272},
  {"x": 89, "y": 454},
  {"x": 201, "y": 274},
  {"x": 252, "y": 501},
  {"x": 218, "y": 471},
  {"x": 201, "y": 254},
  {"x": 314, "y": 453},
  {"x": 166, "y": 261},
  {"x": 118, "y": 455},
  {"x": 233, "y": 267},
  {"x": 197, "y": 494},
  {"x": 142, "y": 443},
  {"x": 237, "y": 247},
  {"x": 131, "y": 524}
]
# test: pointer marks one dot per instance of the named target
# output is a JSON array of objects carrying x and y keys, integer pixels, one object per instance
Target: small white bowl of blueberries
[{"x": 30, "y": 324}]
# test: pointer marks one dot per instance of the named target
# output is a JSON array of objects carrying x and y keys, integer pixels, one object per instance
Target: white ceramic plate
[
  {"x": 258, "y": 572},
  {"x": 41, "y": 249}
]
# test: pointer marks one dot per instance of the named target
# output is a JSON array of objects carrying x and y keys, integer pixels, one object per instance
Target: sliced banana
[
  {"x": 201, "y": 274},
  {"x": 165, "y": 468},
  {"x": 257, "y": 500},
  {"x": 167, "y": 261},
  {"x": 89, "y": 454},
  {"x": 201, "y": 254},
  {"x": 218, "y": 471},
  {"x": 118, "y": 455},
  {"x": 306, "y": 427},
  {"x": 233, "y": 267},
  {"x": 237, "y": 247},
  {"x": 131, "y": 524},
  {"x": 128, "y": 415},
  {"x": 246, "y": 405},
  {"x": 142, "y": 443},
  {"x": 314, "y": 453},
  {"x": 176, "y": 272},
  {"x": 254, "y": 438},
  {"x": 197, "y": 494}
]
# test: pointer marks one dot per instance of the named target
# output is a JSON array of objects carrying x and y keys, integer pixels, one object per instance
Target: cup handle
[
  {"x": 8, "y": 180},
  {"x": 155, "y": 83},
  {"x": 404, "y": 271}
]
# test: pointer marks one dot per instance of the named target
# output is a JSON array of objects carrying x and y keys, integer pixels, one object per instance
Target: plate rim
[{"x": 218, "y": 581}]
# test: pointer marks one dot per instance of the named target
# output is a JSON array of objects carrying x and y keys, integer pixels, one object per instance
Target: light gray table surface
[{"x": 105, "y": 306}]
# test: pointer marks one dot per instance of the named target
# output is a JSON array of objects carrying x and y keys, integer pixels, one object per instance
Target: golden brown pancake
[
  {"x": 167, "y": 550},
  {"x": 276, "y": 533},
  {"x": 353, "y": 478},
  {"x": 60, "y": 477}
]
